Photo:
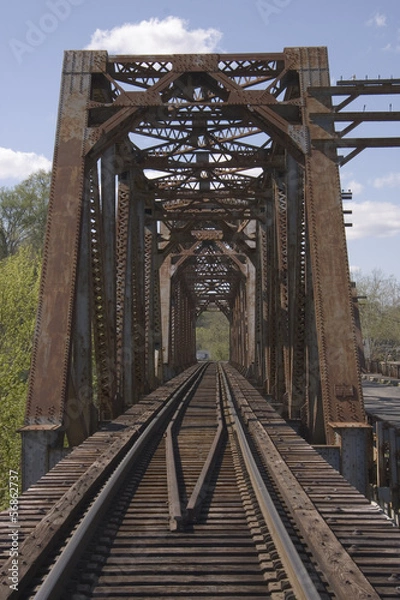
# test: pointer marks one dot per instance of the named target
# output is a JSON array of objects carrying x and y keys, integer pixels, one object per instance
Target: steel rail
[
  {"x": 200, "y": 489},
  {"x": 298, "y": 576},
  {"x": 179, "y": 518},
  {"x": 344, "y": 576},
  {"x": 175, "y": 508},
  {"x": 54, "y": 583},
  {"x": 174, "y": 503}
]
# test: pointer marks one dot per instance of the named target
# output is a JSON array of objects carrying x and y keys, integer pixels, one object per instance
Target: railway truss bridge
[{"x": 182, "y": 184}]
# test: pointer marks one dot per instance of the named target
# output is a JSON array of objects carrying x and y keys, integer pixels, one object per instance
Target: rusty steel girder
[{"x": 188, "y": 182}]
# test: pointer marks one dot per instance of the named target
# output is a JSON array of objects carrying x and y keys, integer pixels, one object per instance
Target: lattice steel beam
[{"x": 229, "y": 197}]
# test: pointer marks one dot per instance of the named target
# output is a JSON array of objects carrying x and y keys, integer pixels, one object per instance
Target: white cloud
[
  {"x": 354, "y": 186},
  {"x": 153, "y": 174},
  {"x": 354, "y": 271},
  {"x": 350, "y": 183},
  {"x": 373, "y": 220},
  {"x": 379, "y": 20},
  {"x": 19, "y": 165},
  {"x": 168, "y": 36},
  {"x": 391, "y": 180},
  {"x": 391, "y": 48}
]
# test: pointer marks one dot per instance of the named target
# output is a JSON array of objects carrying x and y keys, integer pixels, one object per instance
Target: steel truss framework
[{"x": 188, "y": 182}]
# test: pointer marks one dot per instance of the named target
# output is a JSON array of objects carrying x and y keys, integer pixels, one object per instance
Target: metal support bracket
[{"x": 354, "y": 440}]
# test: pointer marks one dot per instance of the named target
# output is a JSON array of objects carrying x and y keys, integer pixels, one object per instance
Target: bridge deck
[
  {"x": 382, "y": 405},
  {"x": 322, "y": 504},
  {"x": 382, "y": 400}
]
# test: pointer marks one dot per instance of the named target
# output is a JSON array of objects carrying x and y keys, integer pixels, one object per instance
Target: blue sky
[{"x": 363, "y": 39}]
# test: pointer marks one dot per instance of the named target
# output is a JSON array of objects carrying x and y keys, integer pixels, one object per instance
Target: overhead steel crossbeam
[
  {"x": 209, "y": 272},
  {"x": 322, "y": 128},
  {"x": 188, "y": 182}
]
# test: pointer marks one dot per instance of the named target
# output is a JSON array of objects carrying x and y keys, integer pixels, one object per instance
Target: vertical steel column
[
  {"x": 340, "y": 381},
  {"x": 158, "y": 340},
  {"x": 337, "y": 346},
  {"x": 101, "y": 331},
  {"x": 122, "y": 276},
  {"x": 283, "y": 376},
  {"x": 183, "y": 334},
  {"x": 313, "y": 414},
  {"x": 165, "y": 273},
  {"x": 270, "y": 261},
  {"x": 186, "y": 330},
  {"x": 235, "y": 332},
  {"x": 152, "y": 332},
  {"x": 182, "y": 349},
  {"x": 136, "y": 242},
  {"x": 193, "y": 320},
  {"x": 262, "y": 305},
  {"x": 124, "y": 292},
  {"x": 108, "y": 209},
  {"x": 250, "y": 301},
  {"x": 174, "y": 323},
  {"x": 240, "y": 326},
  {"x": 277, "y": 325},
  {"x": 80, "y": 417},
  {"x": 259, "y": 329},
  {"x": 250, "y": 311},
  {"x": 131, "y": 322},
  {"x": 232, "y": 332},
  {"x": 296, "y": 286},
  {"x": 49, "y": 376},
  {"x": 341, "y": 387},
  {"x": 243, "y": 325}
]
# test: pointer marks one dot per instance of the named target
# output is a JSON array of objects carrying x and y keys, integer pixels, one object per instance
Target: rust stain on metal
[{"x": 229, "y": 168}]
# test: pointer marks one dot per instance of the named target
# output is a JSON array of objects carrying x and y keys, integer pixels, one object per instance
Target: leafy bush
[
  {"x": 380, "y": 315},
  {"x": 19, "y": 284},
  {"x": 212, "y": 335}
]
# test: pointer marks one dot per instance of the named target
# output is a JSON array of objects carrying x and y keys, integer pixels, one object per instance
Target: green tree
[
  {"x": 23, "y": 213},
  {"x": 19, "y": 284},
  {"x": 212, "y": 334},
  {"x": 380, "y": 314}
]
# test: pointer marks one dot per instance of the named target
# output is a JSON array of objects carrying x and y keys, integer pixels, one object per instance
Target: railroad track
[{"x": 205, "y": 492}]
